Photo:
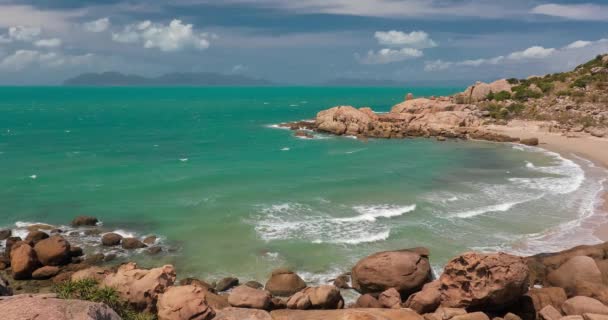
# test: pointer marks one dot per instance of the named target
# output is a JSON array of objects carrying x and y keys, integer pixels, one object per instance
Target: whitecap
[
  {"x": 285, "y": 149},
  {"x": 371, "y": 213},
  {"x": 502, "y": 207},
  {"x": 530, "y": 165},
  {"x": 276, "y": 126},
  {"x": 183, "y": 159},
  {"x": 33, "y": 176}
]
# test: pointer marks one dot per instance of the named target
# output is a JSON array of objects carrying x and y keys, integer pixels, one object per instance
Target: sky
[{"x": 418, "y": 42}]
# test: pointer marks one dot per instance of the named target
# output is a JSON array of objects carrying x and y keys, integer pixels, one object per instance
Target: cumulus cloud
[
  {"x": 172, "y": 37},
  {"x": 24, "y": 33},
  {"x": 99, "y": 25},
  {"x": 22, "y": 59},
  {"x": 48, "y": 43},
  {"x": 531, "y": 54},
  {"x": 387, "y": 55},
  {"x": 414, "y": 39},
  {"x": 585, "y": 11}
]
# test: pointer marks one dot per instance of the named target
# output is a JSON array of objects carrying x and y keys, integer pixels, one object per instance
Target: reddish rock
[
  {"x": 23, "y": 261},
  {"x": 368, "y": 301},
  {"x": 84, "y": 221},
  {"x": 346, "y": 314},
  {"x": 96, "y": 273},
  {"x": 575, "y": 270},
  {"x": 111, "y": 239},
  {"x": 483, "y": 280},
  {"x": 246, "y": 297},
  {"x": 321, "y": 297},
  {"x": 30, "y": 307},
  {"x": 284, "y": 283},
  {"x": 427, "y": 300},
  {"x": 132, "y": 243},
  {"x": 580, "y": 305},
  {"x": 54, "y": 251},
  {"x": 45, "y": 272},
  {"x": 390, "y": 298},
  {"x": 405, "y": 270},
  {"x": 472, "y": 316},
  {"x": 247, "y": 314},
  {"x": 184, "y": 303},
  {"x": 35, "y": 237},
  {"x": 550, "y": 313}
]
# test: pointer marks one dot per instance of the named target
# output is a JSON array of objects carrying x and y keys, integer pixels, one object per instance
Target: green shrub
[
  {"x": 502, "y": 96},
  {"x": 513, "y": 81},
  {"x": 564, "y": 93},
  {"x": 546, "y": 86},
  {"x": 523, "y": 93},
  {"x": 88, "y": 290},
  {"x": 582, "y": 82},
  {"x": 516, "y": 108}
]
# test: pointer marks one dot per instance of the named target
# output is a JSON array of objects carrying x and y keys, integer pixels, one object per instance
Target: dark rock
[
  {"x": 254, "y": 285},
  {"x": 46, "y": 272},
  {"x": 76, "y": 251},
  {"x": 197, "y": 282},
  {"x": 226, "y": 284},
  {"x": 84, "y": 221},
  {"x": 94, "y": 259},
  {"x": 5, "y": 289},
  {"x": 9, "y": 244},
  {"x": 132, "y": 243},
  {"x": 154, "y": 250},
  {"x": 5, "y": 234},
  {"x": 150, "y": 240},
  {"x": 111, "y": 239},
  {"x": 368, "y": 301},
  {"x": 92, "y": 232},
  {"x": 342, "y": 281},
  {"x": 530, "y": 141},
  {"x": 35, "y": 236}
]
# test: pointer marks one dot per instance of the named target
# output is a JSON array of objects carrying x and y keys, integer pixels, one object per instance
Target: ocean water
[{"x": 230, "y": 194}]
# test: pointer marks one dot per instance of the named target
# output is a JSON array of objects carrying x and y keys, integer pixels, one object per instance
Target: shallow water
[{"x": 204, "y": 169}]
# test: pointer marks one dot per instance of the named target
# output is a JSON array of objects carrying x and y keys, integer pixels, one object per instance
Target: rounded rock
[{"x": 284, "y": 282}]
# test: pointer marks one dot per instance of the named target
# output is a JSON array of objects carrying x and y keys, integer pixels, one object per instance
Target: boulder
[
  {"x": 247, "y": 297},
  {"x": 284, "y": 283},
  {"x": 390, "y": 298},
  {"x": 84, "y": 221},
  {"x": 96, "y": 273},
  {"x": 303, "y": 134},
  {"x": 443, "y": 313},
  {"x": 405, "y": 270},
  {"x": 111, "y": 239},
  {"x": 132, "y": 243},
  {"x": 483, "y": 280},
  {"x": 580, "y": 305},
  {"x": 427, "y": 300},
  {"x": 595, "y": 290},
  {"x": 530, "y": 304},
  {"x": 141, "y": 287},
  {"x": 45, "y": 272},
  {"x": 226, "y": 284},
  {"x": 530, "y": 141},
  {"x": 76, "y": 252},
  {"x": 343, "y": 120},
  {"x": 248, "y": 314},
  {"x": 321, "y": 297},
  {"x": 409, "y": 96},
  {"x": 53, "y": 251},
  {"x": 346, "y": 314},
  {"x": 550, "y": 313},
  {"x": 197, "y": 282},
  {"x": 150, "y": 240},
  {"x": 23, "y": 261},
  {"x": 342, "y": 281},
  {"x": 152, "y": 251},
  {"x": 592, "y": 316},
  {"x": 35, "y": 237},
  {"x": 29, "y": 307},
  {"x": 5, "y": 288},
  {"x": 367, "y": 301},
  {"x": 480, "y": 90},
  {"x": 5, "y": 234},
  {"x": 254, "y": 284},
  {"x": 8, "y": 245},
  {"x": 576, "y": 269},
  {"x": 184, "y": 303}
]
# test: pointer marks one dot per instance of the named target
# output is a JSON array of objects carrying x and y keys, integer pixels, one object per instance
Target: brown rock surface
[
  {"x": 111, "y": 239},
  {"x": 550, "y": 313},
  {"x": 32, "y": 307},
  {"x": 284, "y": 282},
  {"x": 141, "y": 287},
  {"x": 427, "y": 300},
  {"x": 84, "y": 221},
  {"x": 483, "y": 280},
  {"x": 247, "y": 297},
  {"x": 321, "y": 297},
  {"x": 247, "y": 314},
  {"x": 45, "y": 272},
  {"x": 346, "y": 314},
  {"x": 405, "y": 270},
  {"x": 34, "y": 237},
  {"x": 95, "y": 273},
  {"x": 472, "y": 316},
  {"x": 367, "y": 301},
  {"x": 580, "y": 305},
  {"x": 23, "y": 261},
  {"x": 132, "y": 243},
  {"x": 576, "y": 269},
  {"x": 54, "y": 251},
  {"x": 184, "y": 303},
  {"x": 390, "y": 298}
]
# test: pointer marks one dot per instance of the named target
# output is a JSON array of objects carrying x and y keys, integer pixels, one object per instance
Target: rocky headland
[{"x": 44, "y": 277}]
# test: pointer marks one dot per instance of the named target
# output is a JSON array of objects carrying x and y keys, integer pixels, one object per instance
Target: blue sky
[{"x": 300, "y": 42}]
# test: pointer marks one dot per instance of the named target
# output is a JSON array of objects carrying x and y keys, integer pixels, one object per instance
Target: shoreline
[{"x": 581, "y": 145}]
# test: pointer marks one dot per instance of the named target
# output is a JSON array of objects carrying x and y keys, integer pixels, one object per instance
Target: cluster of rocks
[
  {"x": 570, "y": 285},
  {"x": 442, "y": 118}
]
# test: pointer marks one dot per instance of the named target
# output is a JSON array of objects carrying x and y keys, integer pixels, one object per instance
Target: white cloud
[
  {"x": 585, "y": 11},
  {"x": 414, "y": 39},
  {"x": 239, "y": 68},
  {"x": 22, "y": 59},
  {"x": 437, "y": 65},
  {"x": 24, "y": 33},
  {"x": 48, "y": 43},
  {"x": 535, "y": 52},
  {"x": 99, "y": 25},
  {"x": 12, "y": 15},
  {"x": 578, "y": 44},
  {"x": 5, "y": 39},
  {"x": 386, "y": 55},
  {"x": 173, "y": 37}
]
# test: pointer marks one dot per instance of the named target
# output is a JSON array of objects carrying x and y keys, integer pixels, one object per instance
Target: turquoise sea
[{"x": 230, "y": 194}]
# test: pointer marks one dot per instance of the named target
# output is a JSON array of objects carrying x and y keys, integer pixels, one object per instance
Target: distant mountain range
[
  {"x": 171, "y": 79},
  {"x": 352, "y": 82}
]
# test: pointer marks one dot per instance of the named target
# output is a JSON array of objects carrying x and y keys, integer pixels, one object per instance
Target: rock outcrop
[
  {"x": 488, "y": 281},
  {"x": 247, "y": 297},
  {"x": 141, "y": 287},
  {"x": 284, "y": 283},
  {"x": 184, "y": 303},
  {"x": 322, "y": 297},
  {"x": 242, "y": 314},
  {"x": 30, "y": 307},
  {"x": 480, "y": 90},
  {"x": 405, "y": 270},
  {"x": 347, "y": 314},
  {"x": 84, "y": 221}
]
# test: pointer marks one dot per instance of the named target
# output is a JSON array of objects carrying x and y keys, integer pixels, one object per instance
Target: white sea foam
[
  {"x": 285, "y": 149},
  {"x": 503, "y": 207},
  {"x": 530, "y": 165},
  {"x": 298, "y": 221},
  {"x": 276, "y": 126},
  {"x": 183, "y": 159}
]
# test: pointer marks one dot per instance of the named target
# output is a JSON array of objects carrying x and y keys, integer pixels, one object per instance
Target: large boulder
[
  {"x": 34, "y": 237},
  {"x": 284, "y": 283},
  {"x": 390, "y": 298},
  {"x": 405, "y": 270},
  {"x": 45, "y": 272},
  {"x": 111, "y": 239},
  {"x": 242, "y": 314},
  {"x": 480, "y": 90},
  {"x": 247, "y": 297},
  {"x": 141, "y": 287},
  {"x": 28, "y": 307},
  {"x": 54, "y": 251},
  {"x": 346, "y": 314},
  {"x": 23, "y": 261},
  {"x": 426, "y": 300},
  {"x": 580, "y": 305},
  {"x": 184, "y": 303},
  {"x": 321, "y": 297},
  {"x": 343, "y": 120},
  {"x": 575, "y": 270},
  {"x": 84, "y": 221},
  {"x": 132, "y": 243},
  {"x": 483, "y": 280}
]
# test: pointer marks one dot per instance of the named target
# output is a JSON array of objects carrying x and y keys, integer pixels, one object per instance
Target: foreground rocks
[{"x": 32, "y": 307}]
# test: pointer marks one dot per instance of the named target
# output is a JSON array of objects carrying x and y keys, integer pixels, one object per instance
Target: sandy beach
[{"x": 582, "y": 145}]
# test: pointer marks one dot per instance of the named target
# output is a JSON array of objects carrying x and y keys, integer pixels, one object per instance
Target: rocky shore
[{"x": 392, "y": 285}]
